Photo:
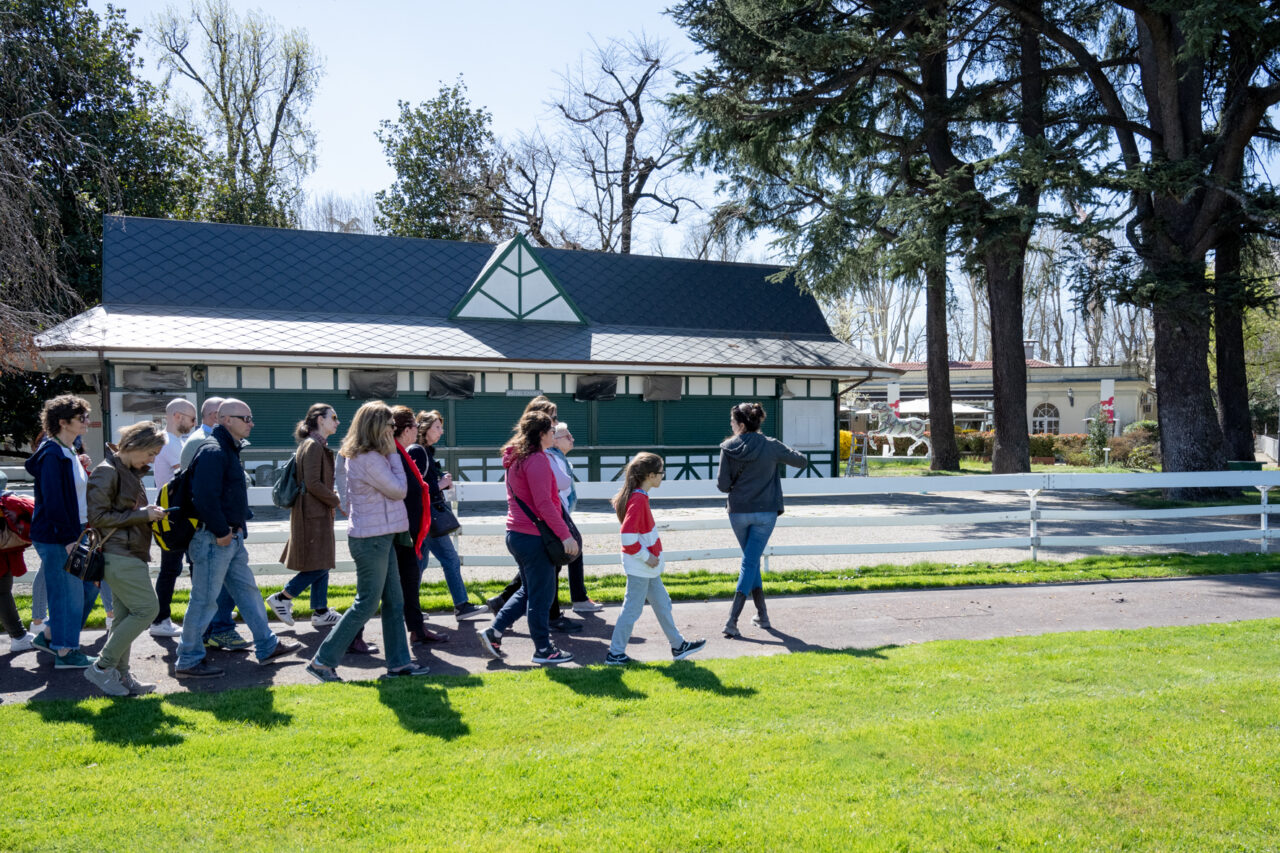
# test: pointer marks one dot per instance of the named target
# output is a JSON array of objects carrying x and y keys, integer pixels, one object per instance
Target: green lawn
[
  {"x": 701, "y": 585},
  {"x": 1159, "y": 739}
]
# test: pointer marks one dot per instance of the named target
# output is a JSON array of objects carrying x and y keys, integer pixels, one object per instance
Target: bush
[
  {"x": 1078, "y": 459},
  {"x": 900, "y": 445},
  {"x": 1041, "y": 444},
  {"x": 1151, "y": 428},
  {"x": 972, "y": 441},
  {"x": 1133, "y": 449},
  {"x": 1068, "y": 443},
  {"x": 846, "y": 443}
]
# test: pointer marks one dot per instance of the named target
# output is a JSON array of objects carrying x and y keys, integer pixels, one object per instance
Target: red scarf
[{"x": 425, "y": 527}]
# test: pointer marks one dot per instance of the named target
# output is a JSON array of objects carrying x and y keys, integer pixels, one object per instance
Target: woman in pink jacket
[
  {"x": 531, "y": 481},
  {"x": 375, "y": 489}
]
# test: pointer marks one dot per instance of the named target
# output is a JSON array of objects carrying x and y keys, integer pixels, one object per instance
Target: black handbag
[
  {"x": 443, "y": 521},
  {"x": 86, "y": 560},
  {"x": 550, "y": 541}
]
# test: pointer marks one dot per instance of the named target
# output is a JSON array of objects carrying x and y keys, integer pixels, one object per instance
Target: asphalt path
[{"x": 860, "y": 620}]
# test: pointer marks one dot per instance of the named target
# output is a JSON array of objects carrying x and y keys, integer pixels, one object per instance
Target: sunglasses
[{"x": 246, "y": 418}]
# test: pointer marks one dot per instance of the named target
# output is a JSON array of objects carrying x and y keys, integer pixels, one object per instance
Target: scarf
[{"x": 412, "y": 471}]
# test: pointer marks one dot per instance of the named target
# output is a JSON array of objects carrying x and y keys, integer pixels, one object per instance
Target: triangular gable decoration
[{"x": 515, "y": 285}]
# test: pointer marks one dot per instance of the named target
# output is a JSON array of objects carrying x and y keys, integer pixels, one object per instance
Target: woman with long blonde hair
[{"x": 375, "y": 492}]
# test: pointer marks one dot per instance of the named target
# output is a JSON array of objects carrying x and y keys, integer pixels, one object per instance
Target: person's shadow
[
  {"x": 596, "y": 682},
  {"x": 688, "y": 676},
  {"x": 423, "y": 707},
  {"x": 253, "y": 705},
  {"x": 139, "y": 721}
]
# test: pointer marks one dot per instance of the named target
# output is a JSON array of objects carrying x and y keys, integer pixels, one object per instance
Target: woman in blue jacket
[
  {"x": 749, "y": 474},
  {"x": 61, "y": 512}
]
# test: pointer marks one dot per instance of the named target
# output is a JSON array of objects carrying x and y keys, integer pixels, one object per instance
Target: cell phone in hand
[{"x": 168, "y": 509}]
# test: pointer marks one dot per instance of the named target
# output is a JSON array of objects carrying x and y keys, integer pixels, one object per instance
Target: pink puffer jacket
[{"x": 375, "y": 490}]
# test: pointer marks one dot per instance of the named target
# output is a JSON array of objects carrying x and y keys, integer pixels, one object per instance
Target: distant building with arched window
[{"x": 1045, "y": 419}]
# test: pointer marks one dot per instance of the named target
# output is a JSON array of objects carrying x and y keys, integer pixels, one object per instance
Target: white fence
[
  {"x": 1032, "y": 485},
  {"x": 1268, "y": 445}
]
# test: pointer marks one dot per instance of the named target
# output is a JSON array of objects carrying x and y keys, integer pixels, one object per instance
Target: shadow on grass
[
  {"x": 688, "y": 676},
  {"x": 603, "y": 683},
  {"x": 255, "y": 706},
  {"x": 125, "y": 722},
  {"x": 876, "y": 652},
  {"x": 423, "y": 707}
]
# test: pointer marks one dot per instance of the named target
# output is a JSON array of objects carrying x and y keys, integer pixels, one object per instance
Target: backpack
[
  {"x": 174, "y": 531},
  {"x": 284, "y": 493}
]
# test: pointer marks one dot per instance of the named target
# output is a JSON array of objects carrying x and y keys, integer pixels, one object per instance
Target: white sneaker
[
  {"x": 136, "y": 687},
  {"x": 166, "y": 628},
  {"x": 326, "y": 619},
  {"x": 110, "y": 619},
  {"x": 106, "y": 680},
  {"x": 22, "y": 644},
  {"x": 587, "y": 606},
  {"x": 282, "y": 607}
]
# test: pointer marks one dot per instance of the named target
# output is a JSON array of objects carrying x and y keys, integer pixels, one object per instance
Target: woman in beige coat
[{"x": 311, "y": 551}]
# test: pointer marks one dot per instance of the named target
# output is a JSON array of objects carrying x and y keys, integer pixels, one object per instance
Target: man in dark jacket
[{"x": 220, "y": 500}]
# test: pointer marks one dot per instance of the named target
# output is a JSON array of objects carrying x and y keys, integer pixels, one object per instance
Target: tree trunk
[
  {"x": 1011, "y": 453},
  {"x": 942, "y": 424},
  {"x": 1228, "y": 328},
  {"x": 1190, "y": 438}
]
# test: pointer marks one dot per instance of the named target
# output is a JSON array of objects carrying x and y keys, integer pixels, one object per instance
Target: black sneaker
[
  {"x": 618, "y": 659},
  {"x": 688, "y": 647},
  {"x": 492, "y": 642},
  {"x": 468, "y": 612},
  {"x": 494, "y": 604},
  {"x": 565, "y": 626},
  {"x": 552, "y": 655},
  {"x": 200, "y": 670}
]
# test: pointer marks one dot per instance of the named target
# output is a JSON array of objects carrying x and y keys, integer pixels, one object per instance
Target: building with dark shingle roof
[{"x": 638, "y": 352}]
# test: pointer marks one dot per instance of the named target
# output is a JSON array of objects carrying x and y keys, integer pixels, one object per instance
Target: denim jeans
[
  {"x": 39, "y": 595},
  {"x": 377, "y": 580},
  {"x": 70, "y": 599},
  {"x": 536, "y": 592},
  {"x": 640, "y": 590},
  {"x": 136, "y": 606},
  {"x": 213, "y": 566},
  {"x": 318, "y": 580},
  {"x": 442, "y": 548},
  {"x": 753, "y": 530},
  {"x": 223, "y": 616}
]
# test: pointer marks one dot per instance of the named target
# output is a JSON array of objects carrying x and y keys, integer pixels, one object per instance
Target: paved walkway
[{"x": 805, "y": 622}]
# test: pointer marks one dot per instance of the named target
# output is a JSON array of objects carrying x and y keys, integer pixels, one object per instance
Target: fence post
[
  {"x": 1263, "y": 513},
  {"x": 1035, "y": 519}
]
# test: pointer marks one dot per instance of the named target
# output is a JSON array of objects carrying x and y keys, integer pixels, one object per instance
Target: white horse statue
[{"x": 891, "y": 426}]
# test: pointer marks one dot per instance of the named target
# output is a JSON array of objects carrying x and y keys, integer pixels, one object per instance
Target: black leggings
[
  {"x": 410, "y": 585},
  {"x": 9, "y": 618}
]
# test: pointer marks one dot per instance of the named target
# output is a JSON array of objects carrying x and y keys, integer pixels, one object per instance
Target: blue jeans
[
  {"x": 70, "y": 599},
  {"x": 537, "y": 589},
  {"x": 318, "y": 580},
  {"x": 441, "y": 547},
  {"x": 223, "y": 620},
  {"x": 377, "y": 580},
  {"x": 753, "y": 530},
  {"x": 39, "y": 595},
  {"x": 213, "y": 566},
  {"x": 640, "y": 590}
]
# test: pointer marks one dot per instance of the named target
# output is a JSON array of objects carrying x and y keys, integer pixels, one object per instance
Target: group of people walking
[{"x": 386, "y": 480}]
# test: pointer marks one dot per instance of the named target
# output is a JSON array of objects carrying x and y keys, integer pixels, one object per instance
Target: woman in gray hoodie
[{"x": 749, "y": 475}]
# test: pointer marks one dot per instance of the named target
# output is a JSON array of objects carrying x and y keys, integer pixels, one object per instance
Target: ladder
[{"x": 858, "y": 447}]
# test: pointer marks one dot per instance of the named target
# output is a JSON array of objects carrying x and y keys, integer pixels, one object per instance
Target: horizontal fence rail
[{"x": 1032, "y": 485}]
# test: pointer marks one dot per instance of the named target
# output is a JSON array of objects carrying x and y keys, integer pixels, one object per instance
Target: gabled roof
[
  {"x": 227, "y": 292},
  {"x": 205, "y": 265},
  {"x": 965, "y": 365},
  {"x": 516, "y": 285}
]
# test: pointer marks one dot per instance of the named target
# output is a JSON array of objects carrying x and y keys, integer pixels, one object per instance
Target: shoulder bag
[
  {"x": 550, "y": 541},
  {"x": 86, "y": 560}
]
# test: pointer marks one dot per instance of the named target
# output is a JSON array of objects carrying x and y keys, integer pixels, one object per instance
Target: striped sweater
[{"x": 640, "y": 538}]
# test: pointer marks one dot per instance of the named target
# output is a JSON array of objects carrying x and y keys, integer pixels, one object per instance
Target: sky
[{"x": 509, "y": 54}]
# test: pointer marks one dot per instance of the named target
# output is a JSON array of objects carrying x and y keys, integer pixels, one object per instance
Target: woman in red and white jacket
[
  {"x": 531, "y": 482},
  {"x": 642, "y": 561}
]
